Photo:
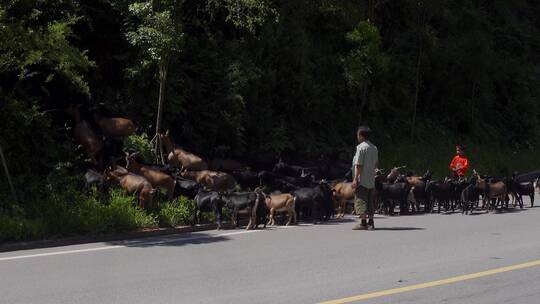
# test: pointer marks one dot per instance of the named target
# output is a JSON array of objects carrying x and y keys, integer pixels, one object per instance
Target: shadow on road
[
  {"x": 337, "y": 221},
  {"x": 397, "y": 228},
  {"x": 174, "y": 240},
  {"x": 509, "y": 210}
]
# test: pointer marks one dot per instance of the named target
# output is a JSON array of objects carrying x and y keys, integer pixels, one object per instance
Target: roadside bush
[
  {"x": 181, "y": 213},
  {"x": 142, "y": 144},
  {"x": 177, "y": 213},
  {"x": 72, "y": 213},
  {"x": 124, "y": 216},
  {"x": 18, "y": 229}
]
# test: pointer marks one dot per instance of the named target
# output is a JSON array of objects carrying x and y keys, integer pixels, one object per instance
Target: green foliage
[
  {"x": 24, "y": 47},
  {"x": 125, "y": 216},
  {"x": 247, "y": 14},
  {"x": 158, "y": 34},
  {"x": 21, "y": 142},
  {"x": 18, "y": 229},
  {"x": 81, "y": 214},
  {"x": 366, "y": 60},
  {"x": 142, "y": 144},
  {"x": 177, "y": 213},
  {"x": 261, "y": 75},
  {"x": 71, "y": 213}
]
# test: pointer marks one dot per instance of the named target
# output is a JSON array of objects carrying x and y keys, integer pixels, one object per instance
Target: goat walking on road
[
  {"x": 493, "y": 193},
  {"x": 279, "y": 203}
]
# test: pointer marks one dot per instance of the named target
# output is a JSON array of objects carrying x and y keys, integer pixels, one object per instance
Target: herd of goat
[{"x": 261, "y": 188}]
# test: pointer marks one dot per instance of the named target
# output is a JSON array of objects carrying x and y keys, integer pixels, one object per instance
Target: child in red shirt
[{"x": 460, "y": 163}]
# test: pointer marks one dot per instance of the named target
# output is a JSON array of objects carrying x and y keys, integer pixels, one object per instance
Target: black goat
[
  {"x": 246, "y": 178},
  {"x": 208, "y": 201},
  {"x": 94, "y": 179},
  {"x": 469, "y": 198},
  {"x": 440, "y": 192},
  {"x": 186, "y": 187},
  {"x": 519, "y": 189},
  {"x": 245, "y": 202},
  {"x": 390, "y": 193},
  {"x": 316, "y": 201},
  {"x": 274, "y": 182}
]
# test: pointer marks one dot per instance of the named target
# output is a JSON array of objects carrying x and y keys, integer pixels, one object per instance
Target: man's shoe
[
  {"x": 371, "y": 225},
  {"x": 360, "y": 227}
]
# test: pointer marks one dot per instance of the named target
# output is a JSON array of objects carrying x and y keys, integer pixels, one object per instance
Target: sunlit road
[{"x": 298, "y": 264}]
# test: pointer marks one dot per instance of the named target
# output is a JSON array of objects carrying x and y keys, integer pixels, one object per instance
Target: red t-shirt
[{"x": 464, "y": 164}]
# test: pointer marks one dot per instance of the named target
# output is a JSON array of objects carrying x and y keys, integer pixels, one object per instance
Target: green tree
[
  {"x": 36, "y": 55},
  {"x": 364, "y": 62},
  {"x": 159, "y": 34}
]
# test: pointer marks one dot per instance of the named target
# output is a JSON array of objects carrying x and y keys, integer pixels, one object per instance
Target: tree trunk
[
  {"x": 7, "y": 175},
  {"x": 416, "y": 92},
  {"x": 363, "y": 105},
  {"x": 421, "y": 24},
  {"x": 371, "y": 10},
  {"x": 472, "y": 106},
  {"x": 162, "y": 81}
]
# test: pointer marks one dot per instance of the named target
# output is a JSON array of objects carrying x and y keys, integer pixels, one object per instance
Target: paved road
[{"x": 300, "y": 264}]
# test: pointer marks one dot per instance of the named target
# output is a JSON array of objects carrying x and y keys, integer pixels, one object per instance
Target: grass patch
[
  {"x": 18, "y": 229},
  {"x": 177, "y": 213},
  {"x": 75, "y": 214}
]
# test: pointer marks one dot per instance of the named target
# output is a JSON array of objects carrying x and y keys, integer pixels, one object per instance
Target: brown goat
[
  {"x": 180, "y": 158},
  {"x": 216, "y": 181},
  {"x": 132, "y": 184},
  {"x": 414, "y": 181},
  {"x": 280, "y": 203},
  {"x": 394, "y": 173},
  {"x": 85, "y": 136},
  {"x": 342, "y": 192},
  {"x": 155, "y": 177},
  {"x": 115, "y": 127},
  {"x": 491, "y": 192}
]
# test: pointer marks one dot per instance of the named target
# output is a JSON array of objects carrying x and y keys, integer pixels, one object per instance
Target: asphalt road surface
[{"x": 437, "y": 258}]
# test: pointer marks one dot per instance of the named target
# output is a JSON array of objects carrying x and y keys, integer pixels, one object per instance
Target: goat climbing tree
[{"x": 158, "y": 32}]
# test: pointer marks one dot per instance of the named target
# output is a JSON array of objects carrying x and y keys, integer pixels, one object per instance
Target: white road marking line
[
  {"x": 127, "y": 244},
  {"x": 59, "y": 253},
  {"x": 290, "y": 227}
]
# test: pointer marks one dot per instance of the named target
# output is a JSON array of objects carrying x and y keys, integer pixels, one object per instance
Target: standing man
[
  {"x": 364, "y": 163},
  {"x": 460, "y": 163}
]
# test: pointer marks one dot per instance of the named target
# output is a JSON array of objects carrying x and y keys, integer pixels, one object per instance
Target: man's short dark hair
[
  {"x": 461, "y": 147},
  {"x": 364, "y": 131}
]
